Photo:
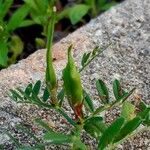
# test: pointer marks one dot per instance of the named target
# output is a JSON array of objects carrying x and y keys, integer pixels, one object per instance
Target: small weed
[{"x": 108, "y": 137}]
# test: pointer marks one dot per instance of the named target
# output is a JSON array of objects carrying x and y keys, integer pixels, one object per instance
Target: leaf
[
  {"x": 46, "y": 94},
  {"x": 95, "y": 126},
  {"x": 101, "y": 3},
  {"x": 88, "y": 2},
  {"x": 38, "y": 6},
  {"x": 128, "y": 111},
  {"x": 72, "y": 122},
  {"x": 40, "y": 42},
  {"x": 43, "y": 124},
  {"x": 63, "y": 14},
  {"x": 117, "y": 90},
  {"x": 39, "y": 9},
  {"x": 26, "y": 23},
  {"x": 28, "y": 89},
  {"x": 85, "y": 58},
  {"x": 77, "y": 12},
  {"x": 4, "y": 8},
  {"x": 110, "y": 133},
  {"x": 99, "y": 110},
  {"x": 16, "y": 95},
  {"x": 35, "y": 147},
  {"x": 102, "y": 91},
  {"x": 17, "y": 17},
  {"x": 3, "y": 54},
  {"x": 144, "y": 114},
  {"x": 143, "y": 107},
  {"x": 61, "y": 96},
  {"x": 36, "y": 88},
  {"x": 57, "y": 138},
  {"x": 16, "y": 47},
  {"x": 108, "y": 5},
  {"x": 78, "y": 145},
  {"x": 31, "y": 4},
  {"x": 88, "y": 102},
  {"x": 128, "y": 128}
]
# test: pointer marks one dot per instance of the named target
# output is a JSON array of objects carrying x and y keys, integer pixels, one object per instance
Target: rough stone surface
[{"x": 127, "y": 28}]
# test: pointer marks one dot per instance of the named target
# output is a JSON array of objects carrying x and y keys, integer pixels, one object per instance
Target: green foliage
[
  {"x": 97, "y": 6},
  {"x": 110, "y": 133},
  {"x": 117, "y": 89},
  {"x": 3, "y": 53},
  {"x": 88, "y": 103},
  {"x": 57, "y": 138},
  {"x": 17, "y": 18},
  {"x": 91, "y": 120},
  {"x": 128, "y": 111},
  {"x": 39, "y": 12},
  {"x": 8, "y": 41},
  {"x": 77, "y": 12},
  {"x": 95, "y": 126},
  {"x": 4, "y": 7},
  {"x": 16, "y": 46},
  {"x": 102, "y": 91},
  {"x": 142, "y": 108}
]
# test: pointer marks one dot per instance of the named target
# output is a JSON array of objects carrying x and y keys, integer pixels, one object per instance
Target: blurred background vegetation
[{"x": 23, "y": 24}]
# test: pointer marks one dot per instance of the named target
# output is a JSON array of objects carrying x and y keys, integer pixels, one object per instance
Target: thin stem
[
  {"x": 94, "y": 9},
  {"x": 51, "y": 80}
]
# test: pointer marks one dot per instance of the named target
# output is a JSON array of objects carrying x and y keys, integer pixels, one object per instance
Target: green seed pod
[{"x": 72, "y": 85}]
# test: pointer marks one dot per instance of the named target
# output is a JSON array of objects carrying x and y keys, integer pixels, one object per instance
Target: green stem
[
  {"x": 51, "y": 80},
  {"x": 94, "y": 9}
]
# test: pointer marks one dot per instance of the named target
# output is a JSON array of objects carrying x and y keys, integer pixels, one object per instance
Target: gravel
[{"x": 127, "y": 28}]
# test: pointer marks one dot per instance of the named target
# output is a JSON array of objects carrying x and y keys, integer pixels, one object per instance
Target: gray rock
[{"x": 127, "y": 28}]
